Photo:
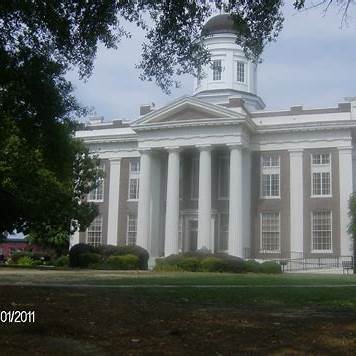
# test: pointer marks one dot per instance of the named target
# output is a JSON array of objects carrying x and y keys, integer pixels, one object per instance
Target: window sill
[
  {"x": 270, "y": 197},
  {"x": 267, "y": 252},
  {"x": 132, "y": 200},
  {"x": 322, "y": 251},
  {"x": 95, "y": 201},
  {"x": 321, "y": 196}
]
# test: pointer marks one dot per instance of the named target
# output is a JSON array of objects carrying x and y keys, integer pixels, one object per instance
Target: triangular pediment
[{"x": 187, "y": 110}]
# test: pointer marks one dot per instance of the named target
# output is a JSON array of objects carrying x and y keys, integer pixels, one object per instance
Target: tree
[
  {"x": 41, "y": 40},
  {"x": 352, "y": 224}
]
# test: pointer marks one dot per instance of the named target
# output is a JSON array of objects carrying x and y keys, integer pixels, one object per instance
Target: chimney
[
  {"x": 146, "y": 108},
  {"x": 297, "y": 108},
  {"x": 94, "y": 120}
]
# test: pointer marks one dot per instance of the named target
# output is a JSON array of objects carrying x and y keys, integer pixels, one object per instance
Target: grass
[
  {"x": 178, "y": 313},
  {"x": 336, "y": 291}
]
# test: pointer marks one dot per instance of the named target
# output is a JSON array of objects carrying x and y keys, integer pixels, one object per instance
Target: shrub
[
  {"x": 123, "y": 261},
  {"x": 15, "y": 256},
  {"x": 270, "y": 267},
  {"x": 62, "y": 261},
  {"x": 233, "y": 264},
  {"x": 138, "y": 251},
  {"x": 25, "y": 261},
  {"x": 87, "y": 259},
  {"x": 76, "y": 251},
  {"x": 212, "y": 264},
  {"x": 252, "y": 266},
  {"x": 189, "y": 264}
]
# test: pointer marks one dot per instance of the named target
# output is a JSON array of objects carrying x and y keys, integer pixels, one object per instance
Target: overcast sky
[{"x": 312, "y": 63}]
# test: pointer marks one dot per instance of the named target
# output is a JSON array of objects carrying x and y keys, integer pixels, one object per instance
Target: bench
[{"x": 347, "y": 266}]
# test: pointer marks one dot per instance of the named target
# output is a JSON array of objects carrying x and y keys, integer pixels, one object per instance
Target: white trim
[
  {"x": 331, "y": 231},
  {"x": 270, "y": 171},
  {"x": 321, "y": 169},
  {"x": 279, "y": 232}
]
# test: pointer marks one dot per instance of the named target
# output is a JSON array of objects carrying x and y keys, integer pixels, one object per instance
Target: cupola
[{"x": 230, "y": 74}]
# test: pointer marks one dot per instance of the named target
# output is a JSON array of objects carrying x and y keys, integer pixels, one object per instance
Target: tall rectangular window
[
  {"x": 95, "y": 231},
  {"x": 321, "y": 231},
  {"x": 270, "y": 232},
  {"x": 194, "y": 187},
  {"x": 223, "y": 177},
  {"x": 223, "y": 232},
  {"x": 240, "y": 72},
  {"x": 217, "y": 69},
  {"x": 321, "y": 175},
  {"x": 134, "y": 179},
  {"x": 131, "y": 229},
  {"x": 270, "y": 176}
]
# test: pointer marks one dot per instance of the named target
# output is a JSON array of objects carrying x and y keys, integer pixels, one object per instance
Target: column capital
[
  {"x": 115, "y": 160},
  {"x": 232, "y": 146},
  {"x": 345, "y": 149},
  {"x": 173, "y": 149},
  {"x": 144, "y": 150},
  {"x": 204, "y": 147},
  {"x": 296, "y": 150}
]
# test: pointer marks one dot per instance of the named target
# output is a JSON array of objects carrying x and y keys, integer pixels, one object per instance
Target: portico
[{"x": 190, "y": 220}]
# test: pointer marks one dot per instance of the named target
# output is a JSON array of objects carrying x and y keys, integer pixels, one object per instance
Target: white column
[
  {"x": 113, "y": 209},
  {"x": 74, "y": 239},
  {"x": 296, "y": 202},
  {"x": 204, "y": 203},
  {"x": 235, "y": 203},
  {"x": 172, "y": 206},
  {"x": 144, "y": 202},
  {"x": 346, "y": 188}
]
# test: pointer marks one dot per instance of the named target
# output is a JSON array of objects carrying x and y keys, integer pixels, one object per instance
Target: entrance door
[{"x": 192, "y": 234}]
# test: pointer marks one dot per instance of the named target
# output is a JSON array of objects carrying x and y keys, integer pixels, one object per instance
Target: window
[
  {"x": 321, "y": 175},
  {"x": 321, "y": 231},
  {"x": 217, "y": 69},
  {"x": 131, "y": 229},
  {"x": 223, "y": 232},
  {"x": 223, "y": 177},
  {"x": 94, "y": 231},
  {"x": 270, "y": 179},
  {"x": 270, "y": 232},
  {"x": 240, "y": 72},
  {"x": 134, "y": 179},
  {"x": 97, "y": 194},
  {"x": 194, "y": 188}
]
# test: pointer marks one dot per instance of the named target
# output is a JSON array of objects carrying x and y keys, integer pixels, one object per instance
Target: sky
[{"x": 312, "y": 63}]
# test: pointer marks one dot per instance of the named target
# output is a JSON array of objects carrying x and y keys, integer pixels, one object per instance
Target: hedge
[
  {"x": 209, "y": 262},
  {"x": 105, "y": 252},
  {"x": 125, "y": 262}
]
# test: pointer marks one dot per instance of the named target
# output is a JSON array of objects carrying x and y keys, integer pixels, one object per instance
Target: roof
[{"x": 222, "y": 23}]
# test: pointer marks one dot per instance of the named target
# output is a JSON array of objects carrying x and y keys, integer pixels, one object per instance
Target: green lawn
[
  {"x": 144, "y": 313},
  {"x": 335, "y": 291}
]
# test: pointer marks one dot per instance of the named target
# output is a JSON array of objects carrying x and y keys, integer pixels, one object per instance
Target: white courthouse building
[{"x": 216, "y": 171}]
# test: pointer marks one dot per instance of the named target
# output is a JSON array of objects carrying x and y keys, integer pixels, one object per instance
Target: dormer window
[
  {"x": 217, "y": 69},
  {"x": 240, "y": 72}
]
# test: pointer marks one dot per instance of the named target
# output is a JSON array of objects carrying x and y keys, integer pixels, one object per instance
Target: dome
[{"x": 222, "y": 23}]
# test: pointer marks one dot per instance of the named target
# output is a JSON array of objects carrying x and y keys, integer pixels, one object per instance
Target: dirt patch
[{"x": 108, "y": 322}]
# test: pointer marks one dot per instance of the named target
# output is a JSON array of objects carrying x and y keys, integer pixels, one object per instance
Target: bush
[
  {"x": 138, "y": 251},
  {"x": 177, "y": 263},
  {"x": 76, "y": 251},
  {"x": 189, "y": 264},
  {"x": 252, "y": 266},
  {"x": 123, "y": 262},
  {"x": 270, "y": 267},
  {"x": 233, "y": 264},
  {"x": 62, "y": 261},
  {"x": 25, "y": 261},
  {"x": 212, "y": 264},
  {"x": 15, "y": 256},
  {"x": 88, "y": 259}
]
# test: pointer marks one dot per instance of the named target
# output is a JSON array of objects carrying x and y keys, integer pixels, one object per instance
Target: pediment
[{"x": 187, "y": 110}]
